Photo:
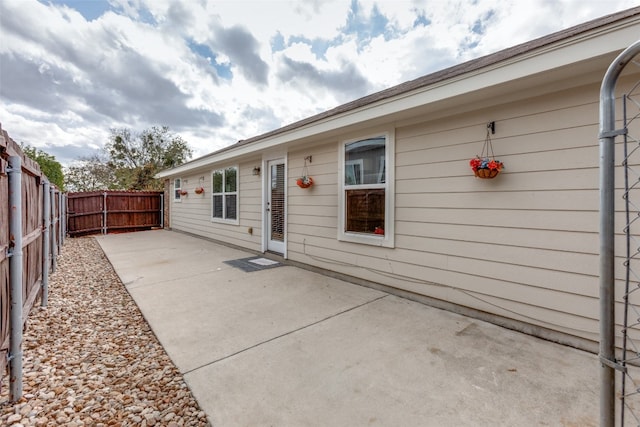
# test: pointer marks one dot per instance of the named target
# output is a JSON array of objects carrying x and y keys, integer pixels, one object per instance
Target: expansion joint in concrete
[{"x": 285, "y": 334}]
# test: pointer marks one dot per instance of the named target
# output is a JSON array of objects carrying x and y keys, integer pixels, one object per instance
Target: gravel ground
[{"x": 90, "y": 358}]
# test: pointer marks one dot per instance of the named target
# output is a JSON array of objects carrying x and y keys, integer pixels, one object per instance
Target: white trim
[
  {"x": 174, "y": 192},
  {"x": 266, "y": 185},
  {"x": 382, "y": 168},
  {"x": 388, "y": 240}
]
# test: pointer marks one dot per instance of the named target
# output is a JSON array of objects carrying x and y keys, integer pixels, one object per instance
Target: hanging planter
[
  {"x": 485, "y": 165},
  {"x": 200, "y": 188},
  {"x": 183, "y": 192},
  {"x": 486, "y": 173},
  {"x": 305, "y": 181}
]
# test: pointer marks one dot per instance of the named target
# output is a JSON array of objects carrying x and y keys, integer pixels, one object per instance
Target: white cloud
[{"x": 66, "y": 80}]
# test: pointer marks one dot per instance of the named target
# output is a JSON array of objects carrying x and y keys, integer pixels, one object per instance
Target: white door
[{"x": 276, "y": 196}]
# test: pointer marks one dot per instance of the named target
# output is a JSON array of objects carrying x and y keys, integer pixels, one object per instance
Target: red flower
[{"x": 475, "y": 164}]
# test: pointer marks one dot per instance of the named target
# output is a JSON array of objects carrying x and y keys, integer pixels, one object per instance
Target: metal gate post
[
  {"x": 64, "y": 218},
  {"x": 607, "y": 137},
  {"x": 54, "y": 244},
  {"x": 15, "y": 272},
  {"x": 46, "y": 262},
  {"x": 60, "y": 210}
]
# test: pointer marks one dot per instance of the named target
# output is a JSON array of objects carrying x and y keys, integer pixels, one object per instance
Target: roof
[{"x": 423, "y": 82}]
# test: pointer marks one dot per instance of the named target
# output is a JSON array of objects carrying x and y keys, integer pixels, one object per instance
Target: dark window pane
[
  {"x": 217, "y": 206},
  {"x": 230, "y": 206},
  {"x": 230, "y": 180},
  {"x": 217, "y": 182},
  {"x": 277, "y": 202},
  {"x": 365, "y": 211},
  {"x": 365, "y": 162},
  {"x": 177, "y": 194}
]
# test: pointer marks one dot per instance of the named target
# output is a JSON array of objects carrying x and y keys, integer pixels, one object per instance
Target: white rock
[
  {"x": 91, "y": 357},
  {"x": 14, "y": 418}
]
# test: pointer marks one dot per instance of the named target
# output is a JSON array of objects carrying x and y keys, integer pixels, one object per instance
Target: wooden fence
[
  {"x": 26, "y": 257},
  {"x": 102, "y": 212}
]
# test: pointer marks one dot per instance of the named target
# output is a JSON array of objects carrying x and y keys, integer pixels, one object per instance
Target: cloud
[
  {"x": 243, "y": 50},
  {"x": 346, "y": 83},
  {"x": 66, "y": 154},
  {"x": 100, "y": 65},
  {"x": 218, "y": 71},
  {"x": 179, "y": 15},
  {"x": 365, "y": 26},
  {"x": 29, "y": 82}
]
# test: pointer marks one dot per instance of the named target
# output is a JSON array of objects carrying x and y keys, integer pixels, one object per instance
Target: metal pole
[
  {"x": 46, "y": 263},
  {"x": 15, "y": 274},
  {"x": 60, "y": 221},
  {"x": 64, "y": 217},
  {"x": 54, "y": 245},
  {"x": 607, "y": 228}
]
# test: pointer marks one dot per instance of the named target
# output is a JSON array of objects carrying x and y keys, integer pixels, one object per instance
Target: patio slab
[{"x": 288, "y": 347}]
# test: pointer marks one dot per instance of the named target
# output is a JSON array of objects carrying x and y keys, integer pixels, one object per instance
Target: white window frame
[
  {"x": 388, "y": 239},
  {"x": 224, "y": 220},
  {"x": 177, "y": 197}
]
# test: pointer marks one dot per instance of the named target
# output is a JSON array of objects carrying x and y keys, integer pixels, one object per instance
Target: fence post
[
  {"x": 60, "y": 209},
  {"x": 63, "y": 218},
  {"x": 162, "y": 211},
  {"x": 54, "y": 245},
  {"x": 46, "y": 262},
  {"x": 15, "y": 273},
  {"x": 607, "y": 137},
  {"x": 104, "y": 213}
]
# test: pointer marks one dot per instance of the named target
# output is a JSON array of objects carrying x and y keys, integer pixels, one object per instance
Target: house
[{"x": 395, "y": 205}]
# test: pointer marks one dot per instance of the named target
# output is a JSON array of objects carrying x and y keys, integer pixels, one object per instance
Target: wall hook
[{"x": 492, "y": 126}]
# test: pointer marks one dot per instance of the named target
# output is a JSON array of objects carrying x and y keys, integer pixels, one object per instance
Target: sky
[{"x": 217, "y": 71}]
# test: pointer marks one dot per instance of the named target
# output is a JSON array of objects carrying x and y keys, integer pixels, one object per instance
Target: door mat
[{"x": 253, "y": 264}]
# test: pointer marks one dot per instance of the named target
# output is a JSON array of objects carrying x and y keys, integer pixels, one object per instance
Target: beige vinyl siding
[
  {"x": 523, "y": 246},
  {"x": 193, "y": 213},
  {"x": 315, "y": 209}
]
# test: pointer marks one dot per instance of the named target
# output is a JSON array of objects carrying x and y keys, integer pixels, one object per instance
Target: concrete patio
[{"x": 283, "y": 346}]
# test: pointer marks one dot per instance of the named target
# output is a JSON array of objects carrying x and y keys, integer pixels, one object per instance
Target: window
[
  {"x": 177, "y": 187},
  {"x": 366, "y": 201},
  {"x": 224, "y": 194}
]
